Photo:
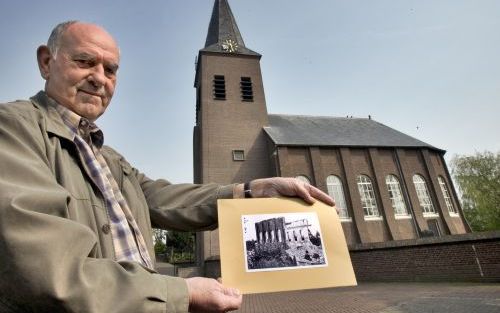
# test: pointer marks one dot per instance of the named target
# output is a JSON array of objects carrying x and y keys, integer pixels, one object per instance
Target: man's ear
[{"x": 44, "y": 57}]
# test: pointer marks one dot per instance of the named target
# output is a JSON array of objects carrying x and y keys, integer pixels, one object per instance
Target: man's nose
[{"x": 97, "y": 77}]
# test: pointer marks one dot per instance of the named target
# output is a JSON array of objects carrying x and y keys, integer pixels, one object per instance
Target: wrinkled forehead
[{"x": 80, "y": 36}]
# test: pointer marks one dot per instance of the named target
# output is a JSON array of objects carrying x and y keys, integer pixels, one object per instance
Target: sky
[{"x": 428, "y": 68}]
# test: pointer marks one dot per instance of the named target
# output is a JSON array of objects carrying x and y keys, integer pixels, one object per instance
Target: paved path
[{"x": 381, "y": 298}]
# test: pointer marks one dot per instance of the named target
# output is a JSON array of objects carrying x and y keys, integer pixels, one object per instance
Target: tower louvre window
[
  {"x": 219, "y": 87},
  {"x": 246, "y": 89}
]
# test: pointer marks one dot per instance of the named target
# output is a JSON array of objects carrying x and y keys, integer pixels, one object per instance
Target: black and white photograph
[{"x": 282, "y": 241}]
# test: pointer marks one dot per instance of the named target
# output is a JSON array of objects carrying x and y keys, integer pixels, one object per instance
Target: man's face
[{"x": 82, "y": 74}]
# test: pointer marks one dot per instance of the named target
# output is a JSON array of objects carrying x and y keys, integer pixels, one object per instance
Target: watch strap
[{"x": 247, "y": 190}]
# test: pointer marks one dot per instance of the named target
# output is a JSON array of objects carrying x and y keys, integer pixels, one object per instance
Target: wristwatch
[{"x": 247, "y": 190}]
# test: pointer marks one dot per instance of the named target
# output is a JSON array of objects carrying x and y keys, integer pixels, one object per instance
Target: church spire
[{"x": 223, "y": 33}]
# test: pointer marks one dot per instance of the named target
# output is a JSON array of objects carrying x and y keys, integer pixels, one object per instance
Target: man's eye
[
  {"x": 110, "y": 70},
  {"x": 84, "y": 63}
]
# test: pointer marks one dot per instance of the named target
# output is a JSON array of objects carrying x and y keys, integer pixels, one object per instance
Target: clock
[{"x": 229, "y": 45}]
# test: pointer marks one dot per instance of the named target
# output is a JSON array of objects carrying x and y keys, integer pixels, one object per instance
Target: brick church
[{"x": 387, "y": 185}]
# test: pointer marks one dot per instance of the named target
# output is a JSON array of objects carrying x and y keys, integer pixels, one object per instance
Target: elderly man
[{"x": 76, "y": 217}]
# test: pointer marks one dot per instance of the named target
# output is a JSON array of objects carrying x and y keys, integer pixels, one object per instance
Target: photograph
[{"x": 282, "y": 241}]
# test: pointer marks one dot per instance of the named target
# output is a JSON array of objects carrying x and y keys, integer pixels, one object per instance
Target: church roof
[
  {"x": 299, "y": 130},
  {"x": 222, "y": 28}
]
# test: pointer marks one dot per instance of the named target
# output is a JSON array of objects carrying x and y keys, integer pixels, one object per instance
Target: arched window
[
  {"x": 303, "y": 178},
  {"x": 446, "y": 195},
  {"x": 368, "y": 201},
  {"x": 335, "y": 190},
  {"x": 396, "y": 196},
  {"x": 423, "y": 195}
]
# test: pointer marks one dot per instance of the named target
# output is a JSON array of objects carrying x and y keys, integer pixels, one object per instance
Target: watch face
[{"x": 229, "y": 45}]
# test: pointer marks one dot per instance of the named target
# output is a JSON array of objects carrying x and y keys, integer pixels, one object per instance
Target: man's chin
[{"x": 91, "y": 111}]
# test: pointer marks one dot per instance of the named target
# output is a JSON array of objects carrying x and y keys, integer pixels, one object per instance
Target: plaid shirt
[{"x": 127, "y": 239}]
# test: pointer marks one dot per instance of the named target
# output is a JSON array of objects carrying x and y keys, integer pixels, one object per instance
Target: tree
[
  {"x": 181, "y": 241},
  {"x": 160, "y": 240},
  {"x": 173, "y": 246},
  {"x": 478, "y": 179},
  {"x": 181, "y": 246}
]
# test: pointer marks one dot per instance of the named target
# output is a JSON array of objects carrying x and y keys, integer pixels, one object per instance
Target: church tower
[{"x": 229, "y": 141}]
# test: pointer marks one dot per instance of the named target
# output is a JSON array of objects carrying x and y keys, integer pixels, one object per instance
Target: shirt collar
[{"x": 79, "y": 125}]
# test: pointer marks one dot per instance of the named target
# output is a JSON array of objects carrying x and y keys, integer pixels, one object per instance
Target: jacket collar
[
  {"x": 56, "y": 126},
  {"x": 54, "y": 122}
]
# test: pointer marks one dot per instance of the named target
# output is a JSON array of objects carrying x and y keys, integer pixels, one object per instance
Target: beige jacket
[{"x": 56, "y": 251}]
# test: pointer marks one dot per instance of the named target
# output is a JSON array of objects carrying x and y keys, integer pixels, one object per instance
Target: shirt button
[{"x": 106, "y": 229}]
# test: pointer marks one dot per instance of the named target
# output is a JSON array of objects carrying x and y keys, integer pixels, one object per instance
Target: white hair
[{"x": 54, "y": 41}]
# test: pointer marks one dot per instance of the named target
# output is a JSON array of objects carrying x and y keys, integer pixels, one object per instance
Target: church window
[
  {"x": 447, "y": 197},
  {"x": 423, "y": 195},
  {"x": 238, "y": 155},
  {"x": 219, "y": 87},
  {"x": 335, "y": 190},
  {"x": 368, "y": 201},
  {"x": 246, "y": 89},
  {"x": 303, "y": 178},
  {"x": 396, "y": 196}
]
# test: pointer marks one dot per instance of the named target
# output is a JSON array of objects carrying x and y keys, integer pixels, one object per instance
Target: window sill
[
  {"x": 346, "y": 220},
  {"x": 403, "y": 217},
  {"x": 431, "y": 215},
  {"x": 454, "y": 214},
  {"x": 373, "y": 218}
]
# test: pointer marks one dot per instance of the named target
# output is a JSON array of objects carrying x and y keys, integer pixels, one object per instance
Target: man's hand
[
  {"x": 286, "y": 186},
  {"x": 208, "y": 295}
]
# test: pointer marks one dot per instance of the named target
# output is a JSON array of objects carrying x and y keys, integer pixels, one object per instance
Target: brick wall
[{"x": 467, "y": 257}]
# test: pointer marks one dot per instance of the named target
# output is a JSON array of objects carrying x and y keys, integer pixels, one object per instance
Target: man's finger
[
  {"x": 232, "y": 299},
  {"x": 304, "y": 191},
  {"x": 320, "y": 195},
  {"x": 232, "y": 292},
  {"x": 208, "y": 295}
]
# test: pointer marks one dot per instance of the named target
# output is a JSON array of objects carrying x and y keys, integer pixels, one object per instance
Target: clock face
[{"x": 229, "y": 45}]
